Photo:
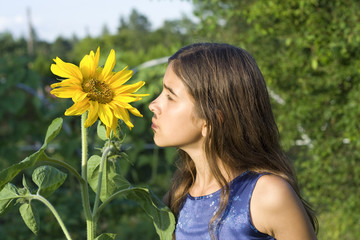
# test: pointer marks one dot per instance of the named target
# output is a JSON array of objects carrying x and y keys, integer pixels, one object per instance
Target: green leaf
[
  {"x": 314, "y": 63},
  {"x": 30, "y": 216},
  {"x": 25, "y": 191},
  {"x": 106, "y": 236},
  {"x": 9, "y": 173},
  {"x": 53, "y": 130},
  {"x": 112, "y": 181},
  {"x": 48, "y": 179},
  {"x": 162, "y": 217},
  {"x": 101, "y": 131},
  {"x": 26, "y": 186},
  {"x": 7, "y": 195}
]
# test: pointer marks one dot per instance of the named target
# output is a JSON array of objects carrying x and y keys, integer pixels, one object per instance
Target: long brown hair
[{"x": 231, "y": 95}]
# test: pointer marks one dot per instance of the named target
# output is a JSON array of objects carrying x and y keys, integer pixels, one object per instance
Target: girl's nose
[{"x": 152, "y": 106}]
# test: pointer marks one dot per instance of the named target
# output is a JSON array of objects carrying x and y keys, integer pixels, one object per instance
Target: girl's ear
[
  {"x": 220, "y": 119},
  {"x": 204, "y": 129}
]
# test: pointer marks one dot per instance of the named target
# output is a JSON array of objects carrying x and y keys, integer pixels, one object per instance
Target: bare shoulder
[
  {"x": 273, "y": 191},
  {"x": 278, "y": 211}
]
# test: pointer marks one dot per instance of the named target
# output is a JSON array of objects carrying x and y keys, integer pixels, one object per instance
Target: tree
[
  {"x": 132, "y": 33},
  {"x": 11, "y": 46},
  {"x": 61, "y": 46}
]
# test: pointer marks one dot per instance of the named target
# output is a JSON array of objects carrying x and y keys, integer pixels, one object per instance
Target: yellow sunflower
[{"x": 98, "y": 90}]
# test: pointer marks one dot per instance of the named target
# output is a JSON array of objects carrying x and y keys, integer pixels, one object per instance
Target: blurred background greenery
[{"x": 308, "y": 51}]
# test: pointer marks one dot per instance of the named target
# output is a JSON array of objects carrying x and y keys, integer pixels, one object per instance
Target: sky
[{"x": 65, "y": 18}]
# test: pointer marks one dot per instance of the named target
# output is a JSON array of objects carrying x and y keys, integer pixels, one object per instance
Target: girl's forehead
[
  {"x": 175, "y": 85},
  {"x": 172, "y": 80}
]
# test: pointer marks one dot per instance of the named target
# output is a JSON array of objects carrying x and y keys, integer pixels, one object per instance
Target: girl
[{"x": 233, "y": 180}]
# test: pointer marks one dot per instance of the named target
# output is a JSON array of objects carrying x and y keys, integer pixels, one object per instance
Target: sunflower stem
[
  {"x": 101, "y": 170},
  {"x": 84, "y": 187},
  {"x": 53, "y": 211},
  {"x": 67, "y": 166}
]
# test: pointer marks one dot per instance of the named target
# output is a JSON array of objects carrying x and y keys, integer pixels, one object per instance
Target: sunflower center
[{"x": 97, "y": 91}]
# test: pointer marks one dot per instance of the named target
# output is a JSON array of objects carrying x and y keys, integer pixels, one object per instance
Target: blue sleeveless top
[{"x": 235, "y": 223}]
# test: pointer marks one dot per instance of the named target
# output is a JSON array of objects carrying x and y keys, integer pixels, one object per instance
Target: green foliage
[
  {"x": 7, "y": 195},
  {"x": 25, "y": 110},
  {"x": 48, "y": 179},
  {"x": 106, "y": 236},
  {"x": 6, "y": 175},
  {"x": 101, "y": 171},
  {"x": 163, "y": 220},
  {"x": 10, "y": 46},
  {"x": 112, "y": 181},
  {"x": 30, "y": 217}
]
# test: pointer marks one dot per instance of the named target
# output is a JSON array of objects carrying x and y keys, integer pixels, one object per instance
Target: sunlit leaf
[
  {"x": 314, "y": 63},
  {"x": 7, "y": 195},
  {"x": 30, "y": 216},
  {"x": 106, "y": 236},
  {"x": 101, "y": 131},
  {"x": 112, "y": 181},
  {"x": 9, "y": 173},
  {"x": 53, "y": 130},
  {"x": 26, "y": 186},
  {"x": 48, "y": 179}
]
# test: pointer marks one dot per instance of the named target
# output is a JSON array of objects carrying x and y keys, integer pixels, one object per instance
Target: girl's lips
[{"x": 153, "y": 125}]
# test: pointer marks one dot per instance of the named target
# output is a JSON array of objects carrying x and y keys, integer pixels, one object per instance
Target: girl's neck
[{"x": 205, "y": 182}]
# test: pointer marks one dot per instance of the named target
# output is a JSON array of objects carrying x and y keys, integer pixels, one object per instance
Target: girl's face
[{"x": 175, "y": 122}]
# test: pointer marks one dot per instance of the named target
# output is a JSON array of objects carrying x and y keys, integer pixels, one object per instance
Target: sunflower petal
[
  {"x": 116, "y": 104},
  {"x": 113, "y": 127},
  {"x": 89, "y": 64},
  {"x": 67, "y": 82},
  {"x": 105, "y": 114},
  {"x": 135, "y": 112},
  {"x": 96, "y": 58},
  {"x": 79, "y": 95},
  {"x": 130, "y": 88},
  {"x": 108, "y": 131},
  {"x": 65, "y": 70},
  {"x": 109, "y": 66},
  {"x": 136, "y": 95},
  {"x": 93, "y": 113},
  {"x": 126, "y": 98},
  {"x": 123, "y": 114},
  {"x": 86, "y": 66},
  {"x": 78, "y": 108},
  {"x": 64, "y": 92},
  {"x": 120, "y": 78}
]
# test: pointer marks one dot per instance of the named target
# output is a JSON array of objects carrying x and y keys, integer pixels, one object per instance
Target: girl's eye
[{"x": 168, "y": 97}]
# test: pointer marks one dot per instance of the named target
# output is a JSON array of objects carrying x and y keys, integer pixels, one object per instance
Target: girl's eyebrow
[{"x": 169, "y": 89}]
